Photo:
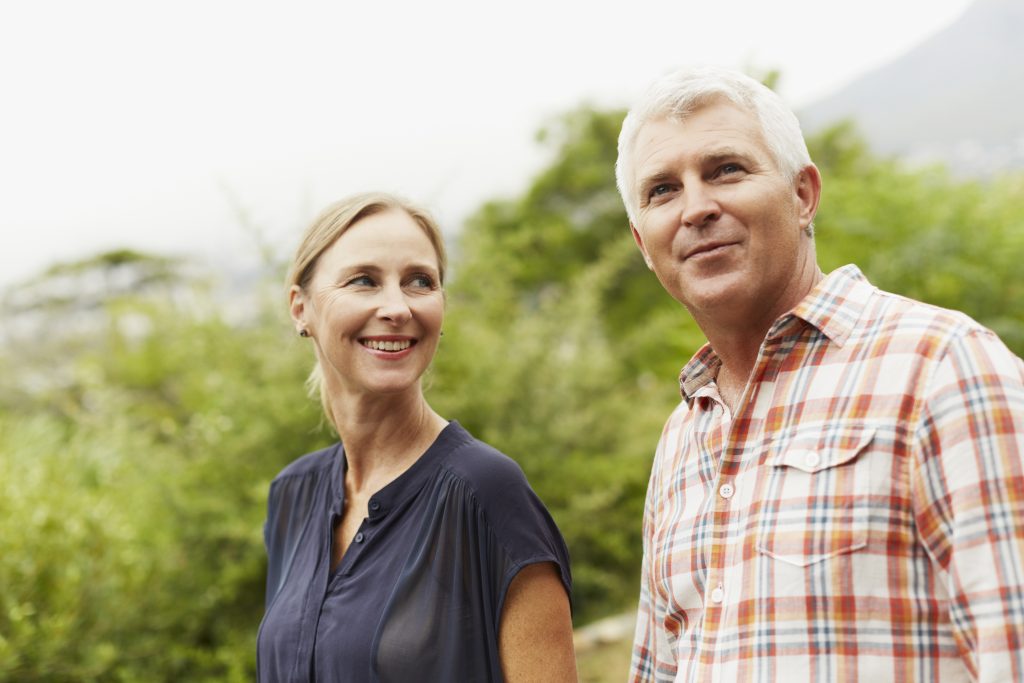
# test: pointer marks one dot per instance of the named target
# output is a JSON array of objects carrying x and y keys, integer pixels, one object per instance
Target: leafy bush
[{"x": 140, "y": 425}]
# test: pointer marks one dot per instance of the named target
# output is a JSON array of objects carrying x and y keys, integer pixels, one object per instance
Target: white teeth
[{"x": 388, "y": 345}]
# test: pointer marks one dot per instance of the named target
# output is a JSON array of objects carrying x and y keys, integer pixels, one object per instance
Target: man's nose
[{"x": 699, "y": 206}]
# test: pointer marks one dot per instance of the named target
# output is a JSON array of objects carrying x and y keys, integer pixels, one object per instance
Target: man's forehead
[{"x": 703, "y": 133}]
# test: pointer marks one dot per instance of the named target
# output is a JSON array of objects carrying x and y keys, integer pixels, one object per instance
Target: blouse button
[
  {"x": 374, "y": 505},
  {"x": 359, "y": 537}
]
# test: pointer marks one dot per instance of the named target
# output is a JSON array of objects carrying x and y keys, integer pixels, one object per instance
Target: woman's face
[{"x": 374, "y": 306}]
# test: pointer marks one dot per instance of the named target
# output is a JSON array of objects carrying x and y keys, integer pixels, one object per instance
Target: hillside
[{"x": 957, "y": 97}]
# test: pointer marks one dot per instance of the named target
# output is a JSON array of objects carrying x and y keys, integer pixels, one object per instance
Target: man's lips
[{"x": 707, "y": 248}]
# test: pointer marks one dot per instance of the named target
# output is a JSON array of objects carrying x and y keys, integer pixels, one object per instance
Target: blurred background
[{"x": 158, "y": 163}]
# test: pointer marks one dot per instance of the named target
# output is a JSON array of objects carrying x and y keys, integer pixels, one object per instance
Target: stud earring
[{"x": 303, "y": 332}]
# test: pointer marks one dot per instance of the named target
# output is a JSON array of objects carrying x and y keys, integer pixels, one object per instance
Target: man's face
[{"x": 718, "y": 223}]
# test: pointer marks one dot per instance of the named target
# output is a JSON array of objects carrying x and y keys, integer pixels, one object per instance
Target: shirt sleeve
[
  {"x": 968, "y": 492},
  {"x": 483, "y": 526},
  {"x": 523, "y": 527},
  {"x": 650, "y": 646},
  {"x": 641, "y": 667}
]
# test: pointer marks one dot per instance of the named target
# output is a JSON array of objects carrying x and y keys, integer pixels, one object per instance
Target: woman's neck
[{"x": 383, "y": 436}]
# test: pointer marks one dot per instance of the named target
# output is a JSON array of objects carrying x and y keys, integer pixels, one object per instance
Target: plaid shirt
[{"x": 861, "y": 515}]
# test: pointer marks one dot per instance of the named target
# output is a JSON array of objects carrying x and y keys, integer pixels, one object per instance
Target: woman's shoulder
[
  {"x": 484, "y": 468},
  {"x": 495, "y": 485},
  {"x": 310, "y": 465},
  {"x": 498, "y": 487}
]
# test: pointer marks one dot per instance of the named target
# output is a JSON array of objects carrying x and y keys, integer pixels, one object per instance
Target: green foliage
[
  {"x": 132, "y": 493},
  {"x": 556, "y": 332},
  {"x": 140, "y": 425},
  {"x": 546, "y": 386},
  {"x": 923, "y": 233}
]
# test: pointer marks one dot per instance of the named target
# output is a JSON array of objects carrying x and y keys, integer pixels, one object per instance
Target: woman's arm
[{"x": 535, "y": 637}]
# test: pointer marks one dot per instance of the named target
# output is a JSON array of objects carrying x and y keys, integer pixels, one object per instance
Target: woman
[{"x": 409, "y": 551}]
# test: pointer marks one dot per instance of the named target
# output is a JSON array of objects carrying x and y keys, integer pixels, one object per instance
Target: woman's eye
[
  {"x": 360, "y": 281},
  {"x": 422, "y": 282}
]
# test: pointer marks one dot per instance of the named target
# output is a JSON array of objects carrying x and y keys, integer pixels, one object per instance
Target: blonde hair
[{"x": 324, "y": 231}]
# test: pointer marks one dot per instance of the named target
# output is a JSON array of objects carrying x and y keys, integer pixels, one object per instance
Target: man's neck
[{"x": 737, "y": 339}]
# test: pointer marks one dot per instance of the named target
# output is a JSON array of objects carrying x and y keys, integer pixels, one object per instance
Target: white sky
[{"x": 151, "y": 125}]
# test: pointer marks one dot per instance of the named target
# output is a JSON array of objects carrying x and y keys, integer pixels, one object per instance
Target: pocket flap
[{"x": 829, "y": 448}]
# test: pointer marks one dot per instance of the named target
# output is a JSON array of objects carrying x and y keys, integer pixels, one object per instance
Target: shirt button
[
  {"x": 718, "y": 594},
  {"x": 812, "y": 459},
  {"x": 727, "y": 490},
  {"x": 359, "y": 537},
  {"x": 374, "y": 505}
]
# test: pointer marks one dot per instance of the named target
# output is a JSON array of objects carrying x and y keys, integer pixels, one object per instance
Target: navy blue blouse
[{"x": 419, "y": 592}]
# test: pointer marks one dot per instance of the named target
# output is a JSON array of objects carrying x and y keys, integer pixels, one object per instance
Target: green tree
[{"x": 140, "y": 425}]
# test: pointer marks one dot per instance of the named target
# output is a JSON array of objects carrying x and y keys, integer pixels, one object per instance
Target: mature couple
[{"x": 838, "y": 497}]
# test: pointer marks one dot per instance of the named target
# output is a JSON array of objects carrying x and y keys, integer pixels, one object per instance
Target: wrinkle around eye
[
  {"x": 729, "y": 170},
  {"x": 359, "y": 281},
  {"x": 656, "y": 194}
]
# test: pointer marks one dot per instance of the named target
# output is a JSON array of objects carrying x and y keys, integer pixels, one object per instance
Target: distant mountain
[{"x": 957, "y": 97}]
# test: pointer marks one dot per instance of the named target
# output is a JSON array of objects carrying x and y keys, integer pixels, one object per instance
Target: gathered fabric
[{"x": 419, "y": 592}]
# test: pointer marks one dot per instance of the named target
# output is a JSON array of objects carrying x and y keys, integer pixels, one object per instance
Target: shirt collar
[
  {"x": 413, "y": 479},
  {"x": 833, "y": 307}
]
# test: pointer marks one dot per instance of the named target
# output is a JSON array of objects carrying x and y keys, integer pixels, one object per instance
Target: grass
[
  {"x": 603, "y": 649},
  {"x": 605, "y": 663}
]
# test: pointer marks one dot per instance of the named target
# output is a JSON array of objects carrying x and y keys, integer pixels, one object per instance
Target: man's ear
[
  {"x": 297, "y": 307},
  {"x": 640, "y": 244},
  {"x": 808, "y": 193}
]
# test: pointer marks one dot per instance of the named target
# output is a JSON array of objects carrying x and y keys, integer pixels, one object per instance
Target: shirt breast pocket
[{"x": 816, "y": 502}]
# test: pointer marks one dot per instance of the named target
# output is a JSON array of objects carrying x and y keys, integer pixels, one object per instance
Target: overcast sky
[{"x": 155, "y": 125}]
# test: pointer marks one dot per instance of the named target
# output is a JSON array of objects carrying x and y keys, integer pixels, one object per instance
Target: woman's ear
[{"x": 297, "y": 308}]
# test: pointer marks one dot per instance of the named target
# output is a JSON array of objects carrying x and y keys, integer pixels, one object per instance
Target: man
[{"x": 840, "y": 494}]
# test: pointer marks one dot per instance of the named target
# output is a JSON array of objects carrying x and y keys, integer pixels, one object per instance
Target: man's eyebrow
[
  {"x": 723, "y": 153},
  {"x": 705, "y": 157},
  {"x": 655, "y": 178}
]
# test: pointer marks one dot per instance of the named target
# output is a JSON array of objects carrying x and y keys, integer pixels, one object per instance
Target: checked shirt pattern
[{"x": 859, "y": 518}]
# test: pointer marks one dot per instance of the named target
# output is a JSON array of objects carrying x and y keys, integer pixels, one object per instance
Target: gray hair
[{"x": 680, "y": 93}]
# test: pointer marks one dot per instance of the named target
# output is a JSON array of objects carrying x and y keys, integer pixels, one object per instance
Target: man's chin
[{"x": 710, "y": 294}]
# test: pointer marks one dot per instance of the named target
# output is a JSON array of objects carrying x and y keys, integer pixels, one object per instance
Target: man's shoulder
[{"x": 897, "y": 314}]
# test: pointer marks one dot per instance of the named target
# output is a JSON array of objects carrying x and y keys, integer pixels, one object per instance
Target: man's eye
[
  {"x": 727, "y": 169},
  {"x": 661, "y": 189}
]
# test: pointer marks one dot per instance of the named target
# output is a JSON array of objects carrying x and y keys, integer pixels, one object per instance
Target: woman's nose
[{"x": 393, "y": 306}]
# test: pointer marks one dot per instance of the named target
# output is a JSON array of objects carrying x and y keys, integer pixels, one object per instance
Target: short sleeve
[
  {"x": 483, "y": 525},
  {"x": 520, "y": 522}
]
